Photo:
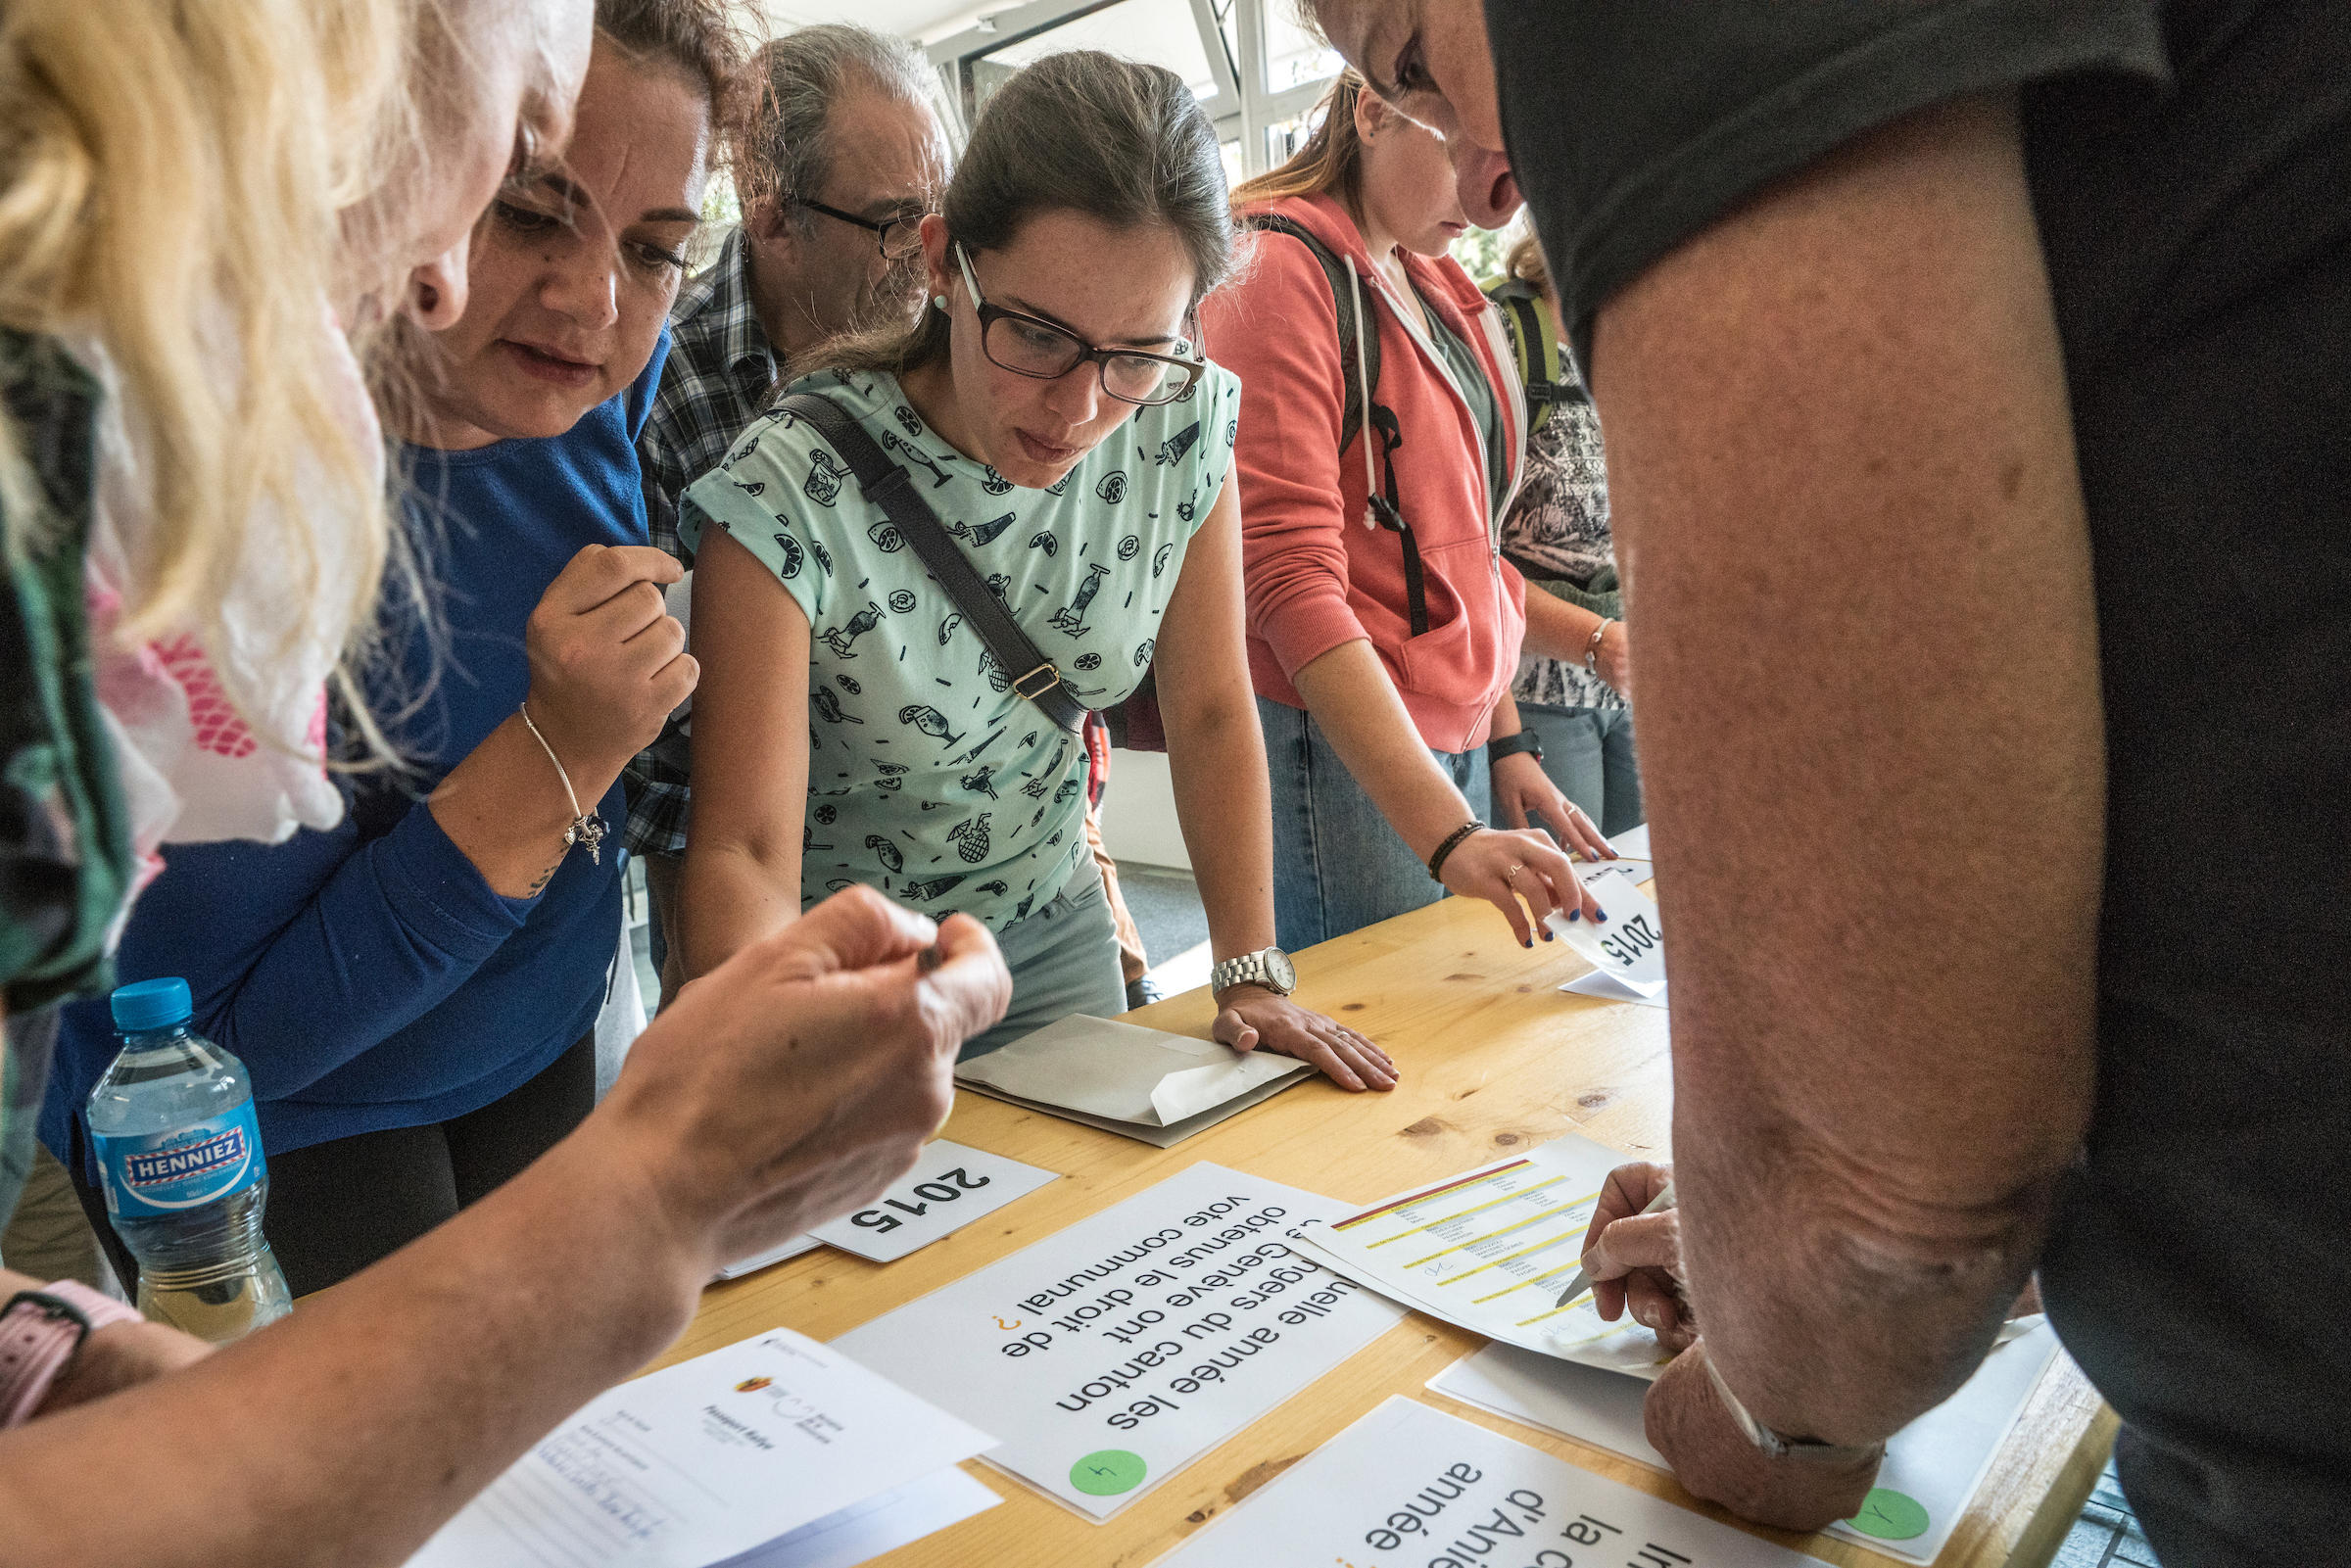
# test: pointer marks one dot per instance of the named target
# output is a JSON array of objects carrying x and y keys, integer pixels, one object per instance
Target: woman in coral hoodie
[{"x": 1384, "y": 627}]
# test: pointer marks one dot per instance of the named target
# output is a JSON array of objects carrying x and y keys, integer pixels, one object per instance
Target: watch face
[{"x": 1279, "y": 970}]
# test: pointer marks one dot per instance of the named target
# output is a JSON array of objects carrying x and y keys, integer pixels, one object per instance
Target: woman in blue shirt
[{"x": 416, "y": 990}]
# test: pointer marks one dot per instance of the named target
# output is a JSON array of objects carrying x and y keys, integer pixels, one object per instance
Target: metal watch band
[{"x": 1250, "y": 969}]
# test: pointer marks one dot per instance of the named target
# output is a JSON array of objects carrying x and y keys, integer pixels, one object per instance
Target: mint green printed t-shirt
[{"x": 928, "y": 776}]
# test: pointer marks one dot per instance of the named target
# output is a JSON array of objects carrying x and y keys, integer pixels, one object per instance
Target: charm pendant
[{"x": 590, "y": 831}]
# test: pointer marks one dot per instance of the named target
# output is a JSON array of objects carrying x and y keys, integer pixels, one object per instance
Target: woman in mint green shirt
[{"x": 1052, "y": 407}]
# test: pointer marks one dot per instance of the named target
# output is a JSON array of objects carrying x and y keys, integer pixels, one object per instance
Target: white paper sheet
[
  {"x": 1146, "y": 1085},
  {"x": 1491, "y": 1250},
  {"x": 949, "y": 1187},
  {"x": 770, "y": 1257},
  {"x": 1606, "y": 988},
  {"x": 1409, "y": 1485},
  {"x": 1112, "y": 1355},
  {"x": 1933, "y": 1466},
  {"x": 865, "y": 1531},
  {"x": 1632, "y": 844},
  {"x": 704, "y": 1461},
  {"x": 1629, "y": 946}
]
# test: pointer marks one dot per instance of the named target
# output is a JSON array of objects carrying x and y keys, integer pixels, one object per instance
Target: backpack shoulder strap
[
  {"x": 887, "y": 486},
  {"x": 1335, "y": 273},
  {"x": 1550, "y": 379}
]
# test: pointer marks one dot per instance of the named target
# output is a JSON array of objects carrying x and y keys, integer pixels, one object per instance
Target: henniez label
[{"x": 151, "y": 1174}]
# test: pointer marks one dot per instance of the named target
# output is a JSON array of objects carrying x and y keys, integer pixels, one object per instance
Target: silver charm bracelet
[{"x": 586, "y": 827}]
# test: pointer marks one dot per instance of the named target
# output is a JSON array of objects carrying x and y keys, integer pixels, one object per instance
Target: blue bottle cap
[{"x": 150, "y": 1005}]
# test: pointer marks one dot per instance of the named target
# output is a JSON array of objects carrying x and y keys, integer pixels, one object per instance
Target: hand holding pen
[{"x": 1632, "y": 1254}]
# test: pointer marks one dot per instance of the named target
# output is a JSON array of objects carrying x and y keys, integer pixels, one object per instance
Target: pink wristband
[{"x": 39, "y": 1333}]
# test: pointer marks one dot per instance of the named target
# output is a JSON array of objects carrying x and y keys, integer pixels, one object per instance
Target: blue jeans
[
  {"x": 1064, "y": 959},
  {"x": 1337, "y": 865},
  {"x": 1588, "y": 752}
]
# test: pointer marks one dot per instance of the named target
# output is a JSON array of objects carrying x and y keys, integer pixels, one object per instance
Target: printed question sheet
[
  {"x": 730, "y": 1452},
  {"x": 1112, "y": 1355},
  {"x": 1411, "y": 1487}
]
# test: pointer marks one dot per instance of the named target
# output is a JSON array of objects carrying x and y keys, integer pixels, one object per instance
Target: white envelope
[{"x": 1142, "y": 1084}]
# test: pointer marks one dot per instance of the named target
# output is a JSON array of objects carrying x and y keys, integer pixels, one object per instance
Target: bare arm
[
  {"x": 1216, "y": 752},
  {"x": 1217, "y": 756},
  {"x": 1348, "y": 692},
  {"x": 385, "y": 1403},
  {"x": 751, "y": 756},
  {"x": 1845, "y": 402},
  {"x": 1556, "y": 629}
]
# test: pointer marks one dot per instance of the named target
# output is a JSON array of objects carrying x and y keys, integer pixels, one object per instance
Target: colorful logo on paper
[
  {"x": 1890, "y": 1515},
  {"x": 1108, "y": 1473}
]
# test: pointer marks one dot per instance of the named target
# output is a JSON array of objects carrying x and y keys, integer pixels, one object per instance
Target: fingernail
[
  {"x": 1575, "y": 914},
  {"x": 1526, "y": 942},
  {"x": 1547, "y": 934},
  {"x": 1599, "y": 914}
]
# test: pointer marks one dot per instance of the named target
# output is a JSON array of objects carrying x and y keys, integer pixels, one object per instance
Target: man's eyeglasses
[
  {"x": 902, "y": 237},
  {"x": 1030, "y": 346}
]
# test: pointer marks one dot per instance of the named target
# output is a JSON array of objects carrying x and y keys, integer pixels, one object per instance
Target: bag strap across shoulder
[
  {"x": 889, "y": 486},
  {"x": 1334, "y": 271}
]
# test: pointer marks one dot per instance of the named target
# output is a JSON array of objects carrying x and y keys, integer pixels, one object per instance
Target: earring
[{"x": 941, "y": 301}]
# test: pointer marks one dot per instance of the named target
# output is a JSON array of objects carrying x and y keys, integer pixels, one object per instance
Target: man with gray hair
[{"x": 841, "y": 157}]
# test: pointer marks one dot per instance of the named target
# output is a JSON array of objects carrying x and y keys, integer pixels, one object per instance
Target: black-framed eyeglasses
[
  {"x": 1031, "y": 345},
  {"x": 901, "y": 237}
]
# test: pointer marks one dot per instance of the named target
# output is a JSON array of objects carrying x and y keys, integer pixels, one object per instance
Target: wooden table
[{"x": 1494, "y": 1057}]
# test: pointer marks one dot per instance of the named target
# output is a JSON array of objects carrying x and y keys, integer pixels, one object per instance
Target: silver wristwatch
[
  {"x": 1773, "y": 1446},
  {"x": 1268, "y": 967}
]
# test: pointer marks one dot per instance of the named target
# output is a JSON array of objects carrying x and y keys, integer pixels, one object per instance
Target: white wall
[{"x": 1138, "y": 812}]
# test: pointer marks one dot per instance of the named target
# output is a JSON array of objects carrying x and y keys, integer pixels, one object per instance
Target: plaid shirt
[{"x": 720, "y": 368}]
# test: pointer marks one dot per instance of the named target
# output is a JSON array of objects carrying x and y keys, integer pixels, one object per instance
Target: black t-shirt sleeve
[{"x": 1634, "y": 123}]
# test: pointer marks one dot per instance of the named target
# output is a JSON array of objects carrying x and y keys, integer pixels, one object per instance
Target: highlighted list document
[
  {"x": 776, "y": 1451},
  {"x": 1491, "y": 1250}
]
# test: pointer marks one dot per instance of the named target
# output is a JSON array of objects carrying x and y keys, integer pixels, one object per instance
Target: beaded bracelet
[{"x": 1436, "y": 862}]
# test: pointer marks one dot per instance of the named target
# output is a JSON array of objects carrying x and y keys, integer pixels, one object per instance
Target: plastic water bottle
[{"x": 180, "y": 1156}]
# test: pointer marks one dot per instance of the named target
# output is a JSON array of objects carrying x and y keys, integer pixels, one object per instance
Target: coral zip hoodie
[{"x": 1316, "y": 574}]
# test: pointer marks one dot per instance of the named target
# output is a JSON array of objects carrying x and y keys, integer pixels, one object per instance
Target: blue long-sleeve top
[{"x": 368, "y": 975}]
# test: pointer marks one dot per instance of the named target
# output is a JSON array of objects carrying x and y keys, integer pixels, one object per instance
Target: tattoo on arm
[{"x": 539, "y": 882}]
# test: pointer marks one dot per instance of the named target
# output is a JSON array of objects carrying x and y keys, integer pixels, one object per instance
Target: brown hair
[
  {"x": 1084, "y": 132},
  {"x": 1331, "y": 163},
  {"x": 1527, "y": 264},
  {"x": 703, "y": 39}
]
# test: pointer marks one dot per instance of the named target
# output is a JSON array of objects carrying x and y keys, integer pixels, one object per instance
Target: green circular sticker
[
  {"x": 1890, "y": 1515},
  {"x": 1110, "y": 1472}
]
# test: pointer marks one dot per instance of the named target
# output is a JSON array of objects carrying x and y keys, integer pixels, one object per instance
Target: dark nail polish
[
  {"x": 1526, "y": 942},
  {"x": 1575, "y": 914},
  {"x": 1547, "y": 934},
  {"x": 1599, "y": 914}
]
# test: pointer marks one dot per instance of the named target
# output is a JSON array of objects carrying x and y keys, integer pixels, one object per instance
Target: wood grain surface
[{"x": 1493, "y": 1058}]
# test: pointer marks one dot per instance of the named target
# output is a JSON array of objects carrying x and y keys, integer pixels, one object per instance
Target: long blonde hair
[
  {"x": 1331, "y": 159},
  {"x": 173, "y": 176}
]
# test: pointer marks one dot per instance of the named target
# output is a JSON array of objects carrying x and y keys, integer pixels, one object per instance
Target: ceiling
[{"x": 923, "y": 19}]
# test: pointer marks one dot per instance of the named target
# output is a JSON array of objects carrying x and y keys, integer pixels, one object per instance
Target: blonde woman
[{"x": 155, "y": 144}]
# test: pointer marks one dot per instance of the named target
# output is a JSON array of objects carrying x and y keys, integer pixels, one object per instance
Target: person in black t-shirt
[{"x": 1977, "y": 376}]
